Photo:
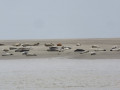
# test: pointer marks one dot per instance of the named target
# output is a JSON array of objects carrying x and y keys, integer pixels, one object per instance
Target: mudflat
[{"x": 93, "y": 48}]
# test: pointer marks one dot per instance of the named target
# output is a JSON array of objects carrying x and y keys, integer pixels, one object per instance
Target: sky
[{"x": 51, "y": 19}]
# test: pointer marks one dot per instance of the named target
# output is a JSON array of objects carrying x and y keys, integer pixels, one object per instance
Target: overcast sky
[{"x": 42, "y": 19}]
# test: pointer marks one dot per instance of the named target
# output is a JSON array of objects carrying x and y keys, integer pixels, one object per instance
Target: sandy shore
[{"x": 41, "y": 50}]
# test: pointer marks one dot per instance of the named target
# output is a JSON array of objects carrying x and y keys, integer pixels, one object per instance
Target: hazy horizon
[{"x": 59, "y": 19}]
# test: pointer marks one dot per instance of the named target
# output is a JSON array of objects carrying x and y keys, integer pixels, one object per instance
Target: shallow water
[{"x": 59, "y": 74}]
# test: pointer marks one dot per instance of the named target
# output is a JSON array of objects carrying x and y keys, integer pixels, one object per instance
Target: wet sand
[{"x": 41, "y": 49}]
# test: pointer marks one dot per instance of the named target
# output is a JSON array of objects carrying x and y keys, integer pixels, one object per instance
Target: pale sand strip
[{"x": 86, "y": 44}]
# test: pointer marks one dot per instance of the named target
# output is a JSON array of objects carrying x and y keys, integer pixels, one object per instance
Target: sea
[{"x": 60, "y": 74}]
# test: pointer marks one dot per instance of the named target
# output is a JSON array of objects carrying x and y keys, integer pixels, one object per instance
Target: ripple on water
[{"x": 59, "y": 73}]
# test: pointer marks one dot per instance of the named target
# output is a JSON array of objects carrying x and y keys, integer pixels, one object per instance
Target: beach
[
  {"x": 101, "y": 51},
  {"x": 60, "y": 64}
]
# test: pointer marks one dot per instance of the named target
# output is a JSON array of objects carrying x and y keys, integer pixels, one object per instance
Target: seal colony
[{"x": 105, "y": 48}]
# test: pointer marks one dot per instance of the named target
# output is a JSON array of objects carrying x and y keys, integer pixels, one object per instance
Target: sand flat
[{"x": 41, "y": 50}]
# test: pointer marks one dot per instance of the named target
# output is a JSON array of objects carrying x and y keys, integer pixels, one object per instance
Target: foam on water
[{"x": 59, "y": 74}]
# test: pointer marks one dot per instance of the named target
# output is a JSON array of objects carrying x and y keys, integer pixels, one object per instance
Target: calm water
[{"x": 59, "y": 74}]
